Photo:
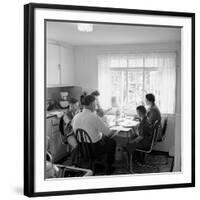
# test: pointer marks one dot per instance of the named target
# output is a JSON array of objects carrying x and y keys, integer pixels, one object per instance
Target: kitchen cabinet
[
  {"x": 53, "y": 65},
  {"x": 60, "y": 65},
  {"x": 67, "y": 66}
]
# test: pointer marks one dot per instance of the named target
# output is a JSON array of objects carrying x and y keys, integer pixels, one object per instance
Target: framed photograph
[{"x": 109, "y": 99}]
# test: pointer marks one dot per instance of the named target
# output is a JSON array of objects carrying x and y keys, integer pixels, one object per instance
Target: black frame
[{"x": 29, "y": 97}]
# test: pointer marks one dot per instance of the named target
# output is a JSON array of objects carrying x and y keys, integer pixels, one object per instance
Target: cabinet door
[
  {"x": 67, "y": 66},
  {"x": 53, "y": 64}
]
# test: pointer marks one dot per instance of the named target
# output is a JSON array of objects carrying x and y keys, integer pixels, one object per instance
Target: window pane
[
  {"x": 118, "y": 62},
  {"x": 152, "y": 60},
  {"x": 151, "y": 84},
  {"x": 135, "y": 61},
  {"x": 118, "y": 88},
  {"x": 135, "y": 88}
]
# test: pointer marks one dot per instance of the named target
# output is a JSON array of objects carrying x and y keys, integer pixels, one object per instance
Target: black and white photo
[
  {"x": 109, "y": 99},
  {"x": 120, "y": 85}
]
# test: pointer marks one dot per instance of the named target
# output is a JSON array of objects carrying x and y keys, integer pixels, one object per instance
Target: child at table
[{"x": 144, "y": 132}]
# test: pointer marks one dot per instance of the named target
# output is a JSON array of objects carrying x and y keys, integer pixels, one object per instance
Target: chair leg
[
  {"x": 131, "y": 163},
  {"x": 92, "y": 166}
]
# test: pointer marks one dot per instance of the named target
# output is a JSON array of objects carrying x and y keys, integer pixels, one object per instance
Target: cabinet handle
[{"x": 59, "y": 67}]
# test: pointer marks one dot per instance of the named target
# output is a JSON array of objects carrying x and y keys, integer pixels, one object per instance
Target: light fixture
[{"x": 85, "y": 27}]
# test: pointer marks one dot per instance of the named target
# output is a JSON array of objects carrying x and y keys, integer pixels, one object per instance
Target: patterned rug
[{"x": 153, "y": 164}]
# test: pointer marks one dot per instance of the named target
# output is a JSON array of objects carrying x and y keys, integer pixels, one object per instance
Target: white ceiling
[{"x": 111, "y": 34}]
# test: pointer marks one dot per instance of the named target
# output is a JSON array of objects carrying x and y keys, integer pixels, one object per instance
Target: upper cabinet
[
  {"x": 67, "y": 65},
  {"x": 53, "y": 65},
  {"x": 60, "y": 65}
]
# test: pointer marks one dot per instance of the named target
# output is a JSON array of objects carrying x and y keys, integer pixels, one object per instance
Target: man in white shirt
[{"x": 96, "y": 129}]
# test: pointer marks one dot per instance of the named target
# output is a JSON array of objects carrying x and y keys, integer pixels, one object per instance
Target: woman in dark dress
[{"x": 153, "y": 112}]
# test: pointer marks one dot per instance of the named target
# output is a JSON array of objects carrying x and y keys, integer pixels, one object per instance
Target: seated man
[
  {"x": 99, "y": 111},
  {"x": 145, "y": 132},
  {"x": 96, "y": 129},
  {"x": 96, "y": 94}
]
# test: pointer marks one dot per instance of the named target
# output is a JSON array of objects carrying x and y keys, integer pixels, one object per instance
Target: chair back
[
  {"x": 61, "y": 128},
  {"x": 85, "y": 146},
  {"x": 156, "y": 129},
  {"x": 164, "y": 128},
  {"x": 49, "y": 157}
]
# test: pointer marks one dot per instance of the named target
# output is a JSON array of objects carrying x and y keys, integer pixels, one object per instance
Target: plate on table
[{"x": 129, "y": 124}]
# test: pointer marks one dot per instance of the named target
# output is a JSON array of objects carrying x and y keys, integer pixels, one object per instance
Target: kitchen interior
[{"x": 72, "y": 69}]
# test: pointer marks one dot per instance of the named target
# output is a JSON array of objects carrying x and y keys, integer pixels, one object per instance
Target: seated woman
[
  {"x": 72, "y": 110},
  {"x": 65, "y": 126},
  {"x": 145, "y": 132},
  {"x": 153, "y": 113}
]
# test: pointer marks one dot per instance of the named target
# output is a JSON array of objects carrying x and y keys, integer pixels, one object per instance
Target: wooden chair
[{"x": 86, "y": 151}]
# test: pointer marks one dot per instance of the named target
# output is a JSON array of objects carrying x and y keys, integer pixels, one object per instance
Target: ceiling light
[{"x": 85, "y": 27}]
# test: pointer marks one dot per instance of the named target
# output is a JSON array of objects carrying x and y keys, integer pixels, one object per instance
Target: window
[{"x": 123, "y": 80}]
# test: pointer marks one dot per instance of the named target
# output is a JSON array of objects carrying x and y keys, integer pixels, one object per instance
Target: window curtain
[
  {"x": 167, "y": 76},
  {"x": 159, "y": 68},
  {"x": 104, "y": 81},
  {"x": 164, "y": 85}
]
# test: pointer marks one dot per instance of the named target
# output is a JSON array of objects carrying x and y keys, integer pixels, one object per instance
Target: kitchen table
[{"x": 125, "y": 129}]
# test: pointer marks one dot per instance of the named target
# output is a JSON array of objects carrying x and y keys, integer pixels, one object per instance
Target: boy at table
[{"x": 145, "y": 132}]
